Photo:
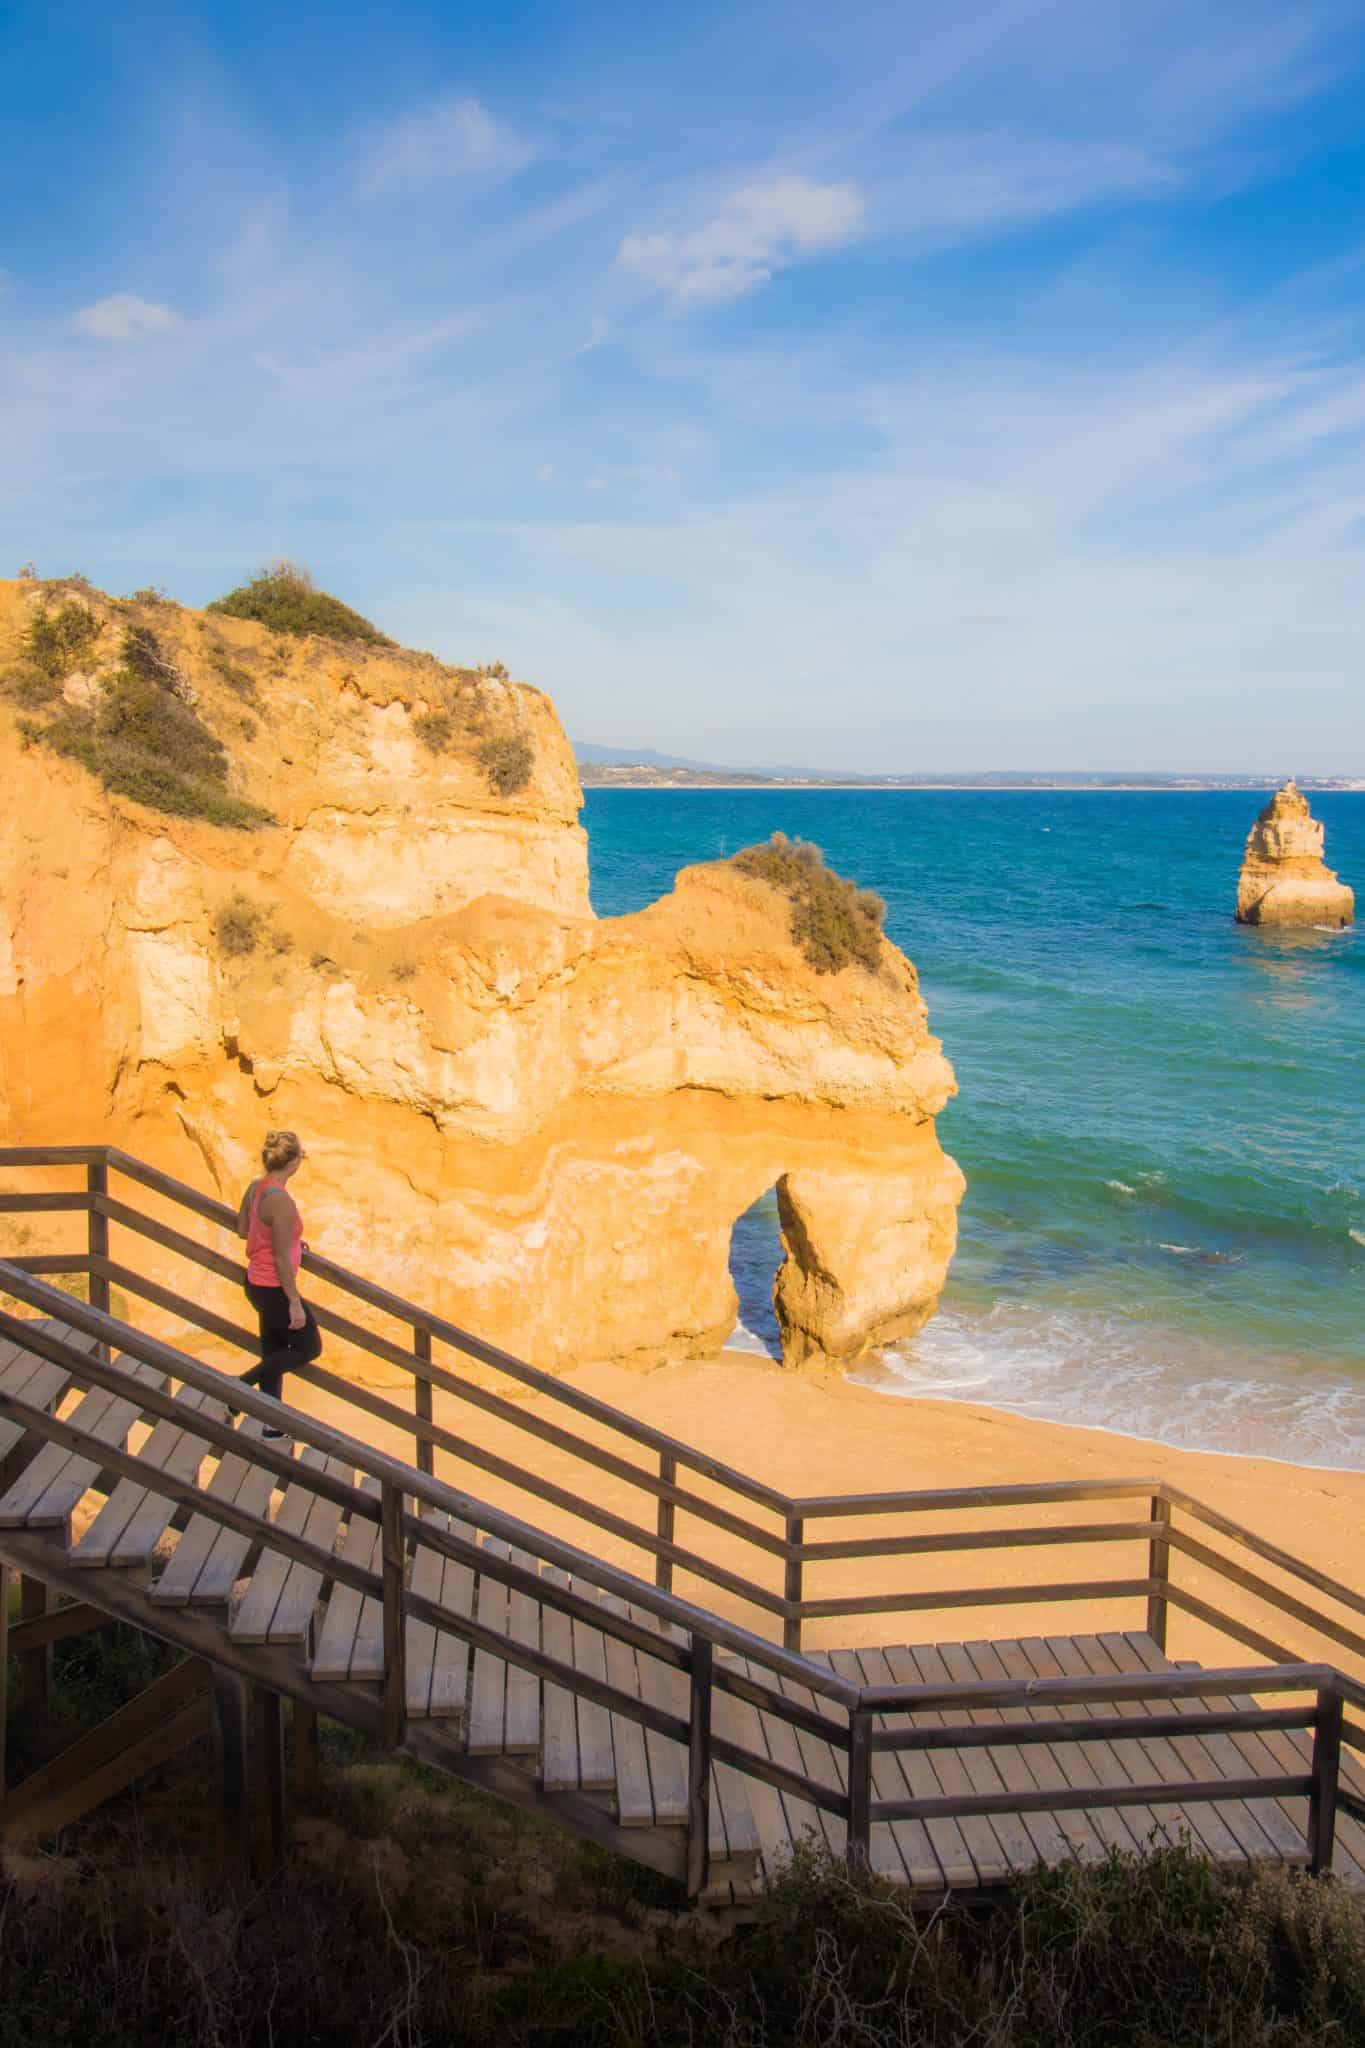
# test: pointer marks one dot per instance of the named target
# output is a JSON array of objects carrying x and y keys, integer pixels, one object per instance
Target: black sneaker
[{"x": 274, "y": 1432}]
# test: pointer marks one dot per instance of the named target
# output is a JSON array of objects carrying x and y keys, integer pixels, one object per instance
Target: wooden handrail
[
  {"x": 460, "y": 1340},
  {"x": 931, "y": 1500},
  {"x": 435, "y": 1493},
  {"x": 428, "y": 1433},
  {"x": 1112, "y": 1685},
  {"x": 1097, "y": 1728}
]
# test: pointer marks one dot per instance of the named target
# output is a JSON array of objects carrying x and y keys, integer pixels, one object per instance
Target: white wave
[
  {"x": 1185, "y": 1251},
  {"x": 1356, "y": 1236},
  {"x": 742, "y": 1338},
  {"x": 1121, "y": 1187},
  {"x": 1096, "y": 1370}
]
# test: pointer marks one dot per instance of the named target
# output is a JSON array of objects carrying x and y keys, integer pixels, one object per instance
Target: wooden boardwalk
[{"x": 317, "y": 1570}]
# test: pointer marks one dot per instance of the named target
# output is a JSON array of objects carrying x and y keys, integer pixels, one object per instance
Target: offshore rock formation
[
  {"x": 1284, "y": 879},
  {"x": 541, "y": 1123}
]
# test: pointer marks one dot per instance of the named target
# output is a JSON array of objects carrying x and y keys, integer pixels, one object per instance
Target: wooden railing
[{"x": 845, "y": 1717}]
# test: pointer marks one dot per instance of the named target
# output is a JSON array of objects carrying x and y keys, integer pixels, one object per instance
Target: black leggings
[{"x": 281, "y": 1348}]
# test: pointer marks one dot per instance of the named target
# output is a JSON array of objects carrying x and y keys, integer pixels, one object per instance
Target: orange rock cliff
[{"x": 541, "y": 1123}]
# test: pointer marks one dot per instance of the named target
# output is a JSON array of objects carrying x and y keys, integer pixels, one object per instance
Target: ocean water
[{"x": 1161, "y": 1113}]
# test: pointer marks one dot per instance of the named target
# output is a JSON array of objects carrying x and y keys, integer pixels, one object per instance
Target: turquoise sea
[{"x": 1161, "y": 1116}]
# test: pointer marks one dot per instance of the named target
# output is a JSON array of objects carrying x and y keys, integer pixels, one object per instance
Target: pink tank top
[{"x": 260, "y": 1245}]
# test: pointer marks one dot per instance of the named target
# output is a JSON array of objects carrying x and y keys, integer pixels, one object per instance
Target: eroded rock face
[
  {"x": 541, "y": 1123},
  {"x": 1284, "y": 879}
]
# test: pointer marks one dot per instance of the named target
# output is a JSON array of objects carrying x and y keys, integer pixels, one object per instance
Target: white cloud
[
  {"x": 597, "y": 334},
  {"x": 123, "y": 316},
  {"x": 758, "y": 231},
  {"x": 455, "y": 137}
]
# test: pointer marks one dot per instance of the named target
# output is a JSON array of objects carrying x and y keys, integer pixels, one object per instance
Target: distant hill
[{"x": 589, "y": 755}]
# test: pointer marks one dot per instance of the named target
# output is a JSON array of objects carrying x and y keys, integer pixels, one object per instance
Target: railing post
[
  {"x": 230, "y": 1771},
  {"x": 421, "y": 1393},
  {"x": 791, "y": 1585},
  {"x": 267, "y": 1728},
  {"x": 97, "y": 1181},
  {"x": 306, "y": 1773},
  {"x": 4, "y": 1670},
  {"x": 37, "y": 1664},
  {"x": 395, "y": 1643},
  {"x": 1322, "y": 1797},
  {"x": 1159, "y": 1569},
  {"x": 699, "y": 1767},
  {"x": 860, "y": 1792},
  {"x": 663, "y": 1566}
]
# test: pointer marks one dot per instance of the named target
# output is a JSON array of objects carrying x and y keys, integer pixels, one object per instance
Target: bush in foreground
[
  {"x": 419, "y": 1912},
  {"x": 834, "y": 922},
  {"x": 283, "y": 597}
]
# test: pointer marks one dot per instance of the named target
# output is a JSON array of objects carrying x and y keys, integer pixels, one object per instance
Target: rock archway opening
[{"x": 756, "y": 1252}]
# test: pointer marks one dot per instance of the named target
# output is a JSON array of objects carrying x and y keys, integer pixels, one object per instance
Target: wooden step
[
  {"x": 351, "y": 1639},
  {"x": 45, "y": 1495},
  {"x": 438, "y": 1662},
  {"x": 577, "y": 1753},
  {"x": 504, "y": 1698},
  {"x": 279, "y": 1603},
  {"x": 208, "y": 1559},
  {"x": 35, "y": 1381},
  {"x": 133, "y": 1520}
]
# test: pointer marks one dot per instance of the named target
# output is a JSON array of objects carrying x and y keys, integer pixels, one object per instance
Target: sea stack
[{"x": 1284, "y": 879}]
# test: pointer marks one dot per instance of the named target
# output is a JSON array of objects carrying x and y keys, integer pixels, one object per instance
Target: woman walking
[{"x": 269, "y": 1220}]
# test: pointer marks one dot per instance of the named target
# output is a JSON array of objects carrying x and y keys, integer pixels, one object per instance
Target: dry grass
[{"x": 835, "y": 923}]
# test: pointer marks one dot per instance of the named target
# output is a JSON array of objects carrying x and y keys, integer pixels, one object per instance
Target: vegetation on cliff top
[
  {"x": 135, "y": 729},
  {"x": 462, "y": 718},
  {"x": 138, "y": 728},
  {"x": 284, "y": 598},
  {"x": 833, "y": 921}
]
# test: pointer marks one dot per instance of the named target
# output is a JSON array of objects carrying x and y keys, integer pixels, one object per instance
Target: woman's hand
[{"x": 297, "y": 1318}]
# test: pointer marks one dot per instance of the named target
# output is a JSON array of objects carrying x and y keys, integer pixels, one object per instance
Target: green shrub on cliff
[
  {"x": 58, "y": 642},
  {"x": 140, "y": 740},
  {"x": 507, "y": 760},
  {"x": 435, "y": 729},
  {"x": 833, "y": 921},
  {"x": 283, "y": 597},
  {"x": 28, "y": 685}
]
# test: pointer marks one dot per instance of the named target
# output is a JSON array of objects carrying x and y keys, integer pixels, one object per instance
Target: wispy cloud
[
  {"x": 451, "y": 138},
  {"x": 954, "y": 184},
  {"x": 123, "y": 316},
  {"x": 759, "y": 230},
  {"x": 597, "y": 334}
]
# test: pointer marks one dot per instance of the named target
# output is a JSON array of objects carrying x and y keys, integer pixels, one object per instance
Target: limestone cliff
[
  {"x": 542, "y": 1123},
  {"x": 1284, "y": 879}
]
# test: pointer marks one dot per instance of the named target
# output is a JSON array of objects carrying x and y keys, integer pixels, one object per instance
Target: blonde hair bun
[{"x": 280, "y": 1149}]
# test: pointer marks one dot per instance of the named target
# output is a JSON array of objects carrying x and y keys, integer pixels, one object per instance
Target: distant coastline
[{"x": 595, "y": 775}]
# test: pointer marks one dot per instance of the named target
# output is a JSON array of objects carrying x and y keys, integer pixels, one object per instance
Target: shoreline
[{"x": 890, "y": 1393}]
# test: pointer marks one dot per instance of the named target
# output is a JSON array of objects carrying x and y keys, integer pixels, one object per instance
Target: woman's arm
[
  {"x": 279, "y": 1212},
  {"x": 244, "y": 1210}
]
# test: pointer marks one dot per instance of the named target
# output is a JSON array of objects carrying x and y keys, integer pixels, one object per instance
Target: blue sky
[{"x": 900, "y": 387}]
